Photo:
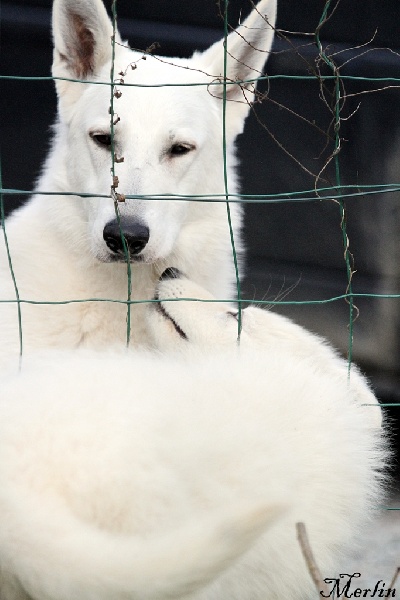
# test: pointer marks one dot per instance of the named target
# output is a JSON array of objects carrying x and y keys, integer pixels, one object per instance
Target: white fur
[
  {"x": 261, "y": 328},
  {"x": 131, "y": 475},
  {"x": 56, "y": 242}
]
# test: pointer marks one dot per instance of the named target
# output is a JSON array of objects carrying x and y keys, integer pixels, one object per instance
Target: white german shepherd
[
  {"x": 170, "y": 138},
  {"x": 145, "y": 476}
]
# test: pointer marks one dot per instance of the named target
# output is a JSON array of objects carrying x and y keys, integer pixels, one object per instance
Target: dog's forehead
[
  {"x": 170, "y": 92},
  {"x": 139, "y": 71},
  {"x": 155, "y": 70}
]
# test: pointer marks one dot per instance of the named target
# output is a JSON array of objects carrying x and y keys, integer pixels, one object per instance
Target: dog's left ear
[
  {"x": 247, "y": 50},
  {"x": 82, "y": 34}
]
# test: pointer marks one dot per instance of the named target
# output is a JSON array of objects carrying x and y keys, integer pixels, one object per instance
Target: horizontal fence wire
[
  {"x": 215, "y": 83},
  {"x": 311, "y": 195},
  {"x": 260, "y": 302}
]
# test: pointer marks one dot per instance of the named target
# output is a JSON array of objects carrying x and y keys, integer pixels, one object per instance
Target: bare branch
[{"x": 310, "y": 560}]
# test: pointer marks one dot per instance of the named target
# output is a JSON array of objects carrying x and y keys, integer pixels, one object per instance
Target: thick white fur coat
[{"x": 182, "y": 474}]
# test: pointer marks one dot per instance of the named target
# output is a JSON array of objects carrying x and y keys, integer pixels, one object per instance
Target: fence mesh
[{"x": 337, "y": 192}]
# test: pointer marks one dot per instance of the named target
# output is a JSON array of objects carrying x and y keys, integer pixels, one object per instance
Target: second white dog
[{"x": 130, "y": 476}]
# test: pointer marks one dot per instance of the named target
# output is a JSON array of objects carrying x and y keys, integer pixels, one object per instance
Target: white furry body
[
  {"x": 56, "y": 242},
  {"x": 182, "y": 474}
]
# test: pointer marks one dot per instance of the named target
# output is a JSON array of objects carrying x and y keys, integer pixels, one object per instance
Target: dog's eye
[
  {"x": 102, "y": 139},
  {"x": 180, "y": 149}
]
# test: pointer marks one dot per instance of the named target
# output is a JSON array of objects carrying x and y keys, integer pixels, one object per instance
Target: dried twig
[
  {"x": 395, "y": 576},
  {"x": 310, "y": 560}
]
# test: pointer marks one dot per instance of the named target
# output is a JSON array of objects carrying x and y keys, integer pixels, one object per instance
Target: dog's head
[{"x": 160, "y": 124}]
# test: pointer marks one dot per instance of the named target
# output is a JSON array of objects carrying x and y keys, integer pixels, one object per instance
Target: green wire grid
[{"x": 338, "y": 192}]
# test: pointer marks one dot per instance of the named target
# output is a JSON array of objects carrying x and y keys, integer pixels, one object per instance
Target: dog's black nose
[
  {"x": 171, "y": 273},
  {"x": 136, "y": 235}
]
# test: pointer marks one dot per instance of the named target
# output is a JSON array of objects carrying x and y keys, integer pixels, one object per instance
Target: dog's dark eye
[
  {"x": 102, "y": 139},
  {"x": 180, "y": 149}
]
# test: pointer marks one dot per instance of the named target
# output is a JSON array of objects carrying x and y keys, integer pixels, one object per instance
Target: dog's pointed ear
[
  {"x": 82, "y": 33},
  {"x": 247, "y": 50}
]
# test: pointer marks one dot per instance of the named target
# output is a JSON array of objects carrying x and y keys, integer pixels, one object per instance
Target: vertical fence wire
[
  {"x": 116, "y": 197},
  {"x": 228, "y": 208},
  {"x": 10, "y": 265},
  {"x": 337, "y": 146}
]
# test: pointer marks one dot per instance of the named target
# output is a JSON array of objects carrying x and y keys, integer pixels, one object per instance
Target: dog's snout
[{"x": 135, "y": 233}]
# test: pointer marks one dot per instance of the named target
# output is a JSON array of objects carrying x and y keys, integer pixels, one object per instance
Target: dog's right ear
[
  {"x": 82, "y": 34},
  {"x": 247, "y": 48}
]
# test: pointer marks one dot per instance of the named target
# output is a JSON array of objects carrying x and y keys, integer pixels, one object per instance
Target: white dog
[
  {"x": 144, "y": 476},
  {"x": 170, "y": 138}
]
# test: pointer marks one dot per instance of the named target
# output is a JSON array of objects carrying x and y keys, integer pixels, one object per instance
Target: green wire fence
[{"x": 338, "y": 192}]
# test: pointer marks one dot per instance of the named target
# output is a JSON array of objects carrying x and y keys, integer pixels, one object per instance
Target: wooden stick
[
  {"x": 310, "y": 560},
  {"x": 395, "y": 576}
]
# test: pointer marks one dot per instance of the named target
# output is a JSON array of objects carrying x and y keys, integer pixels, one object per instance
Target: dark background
[{"x": 295, "y": 249}]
